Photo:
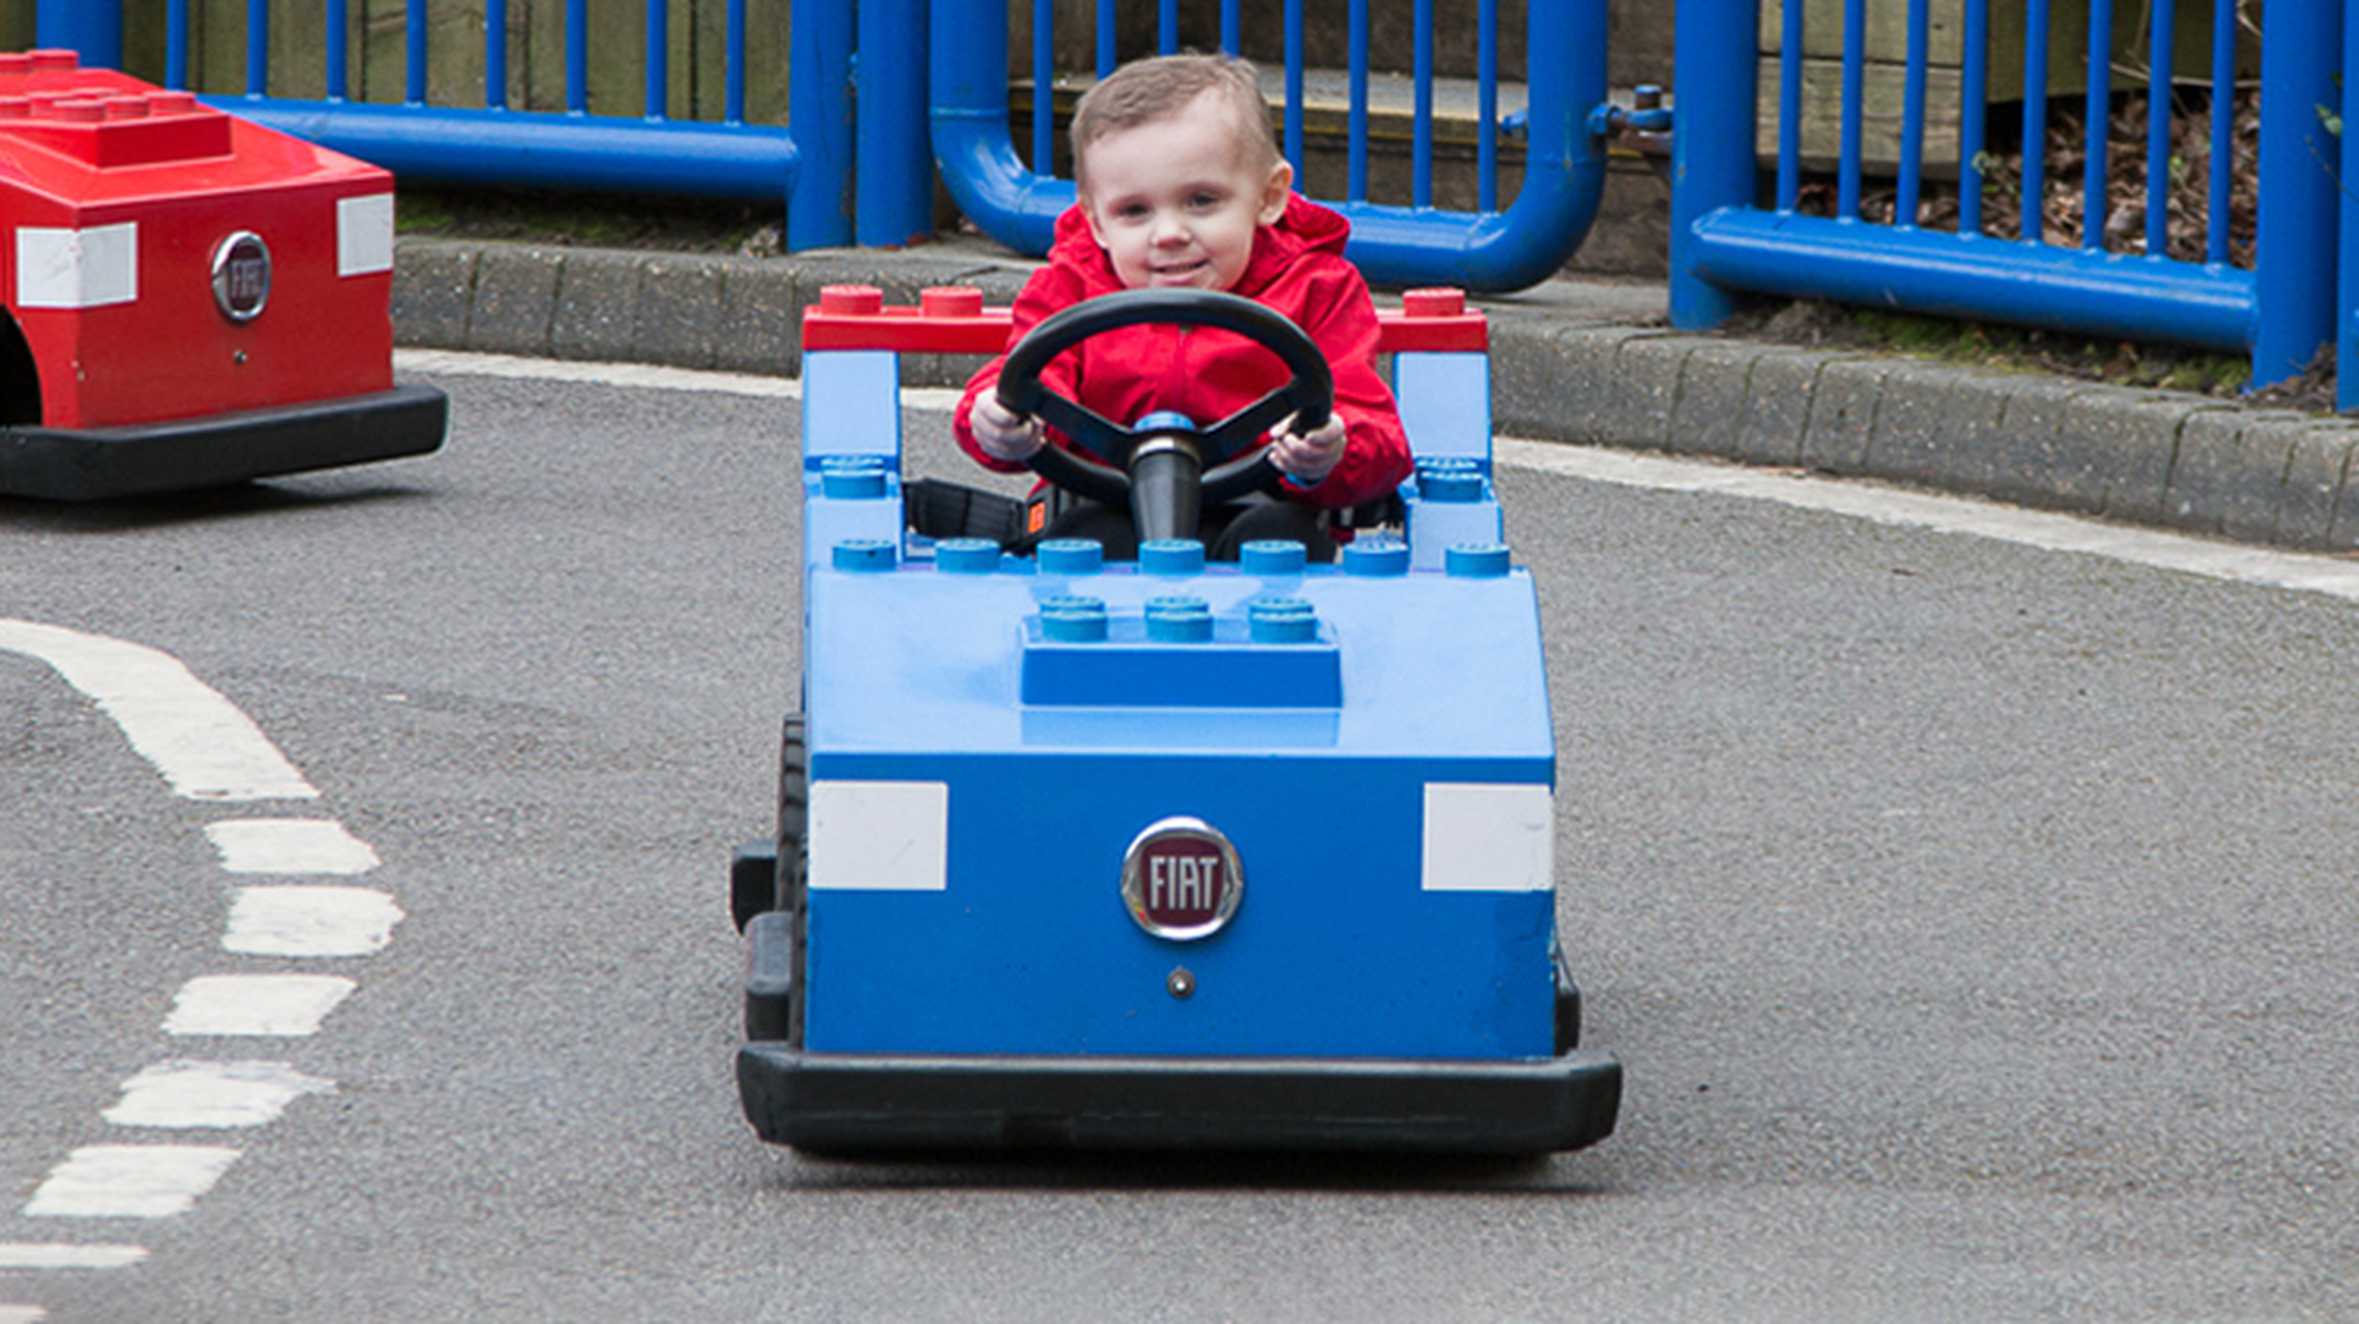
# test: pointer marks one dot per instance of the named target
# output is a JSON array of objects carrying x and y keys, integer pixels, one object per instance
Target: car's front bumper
[
  {"x": 846, "y": 1101},
  {"x": 92, "y": 464}
]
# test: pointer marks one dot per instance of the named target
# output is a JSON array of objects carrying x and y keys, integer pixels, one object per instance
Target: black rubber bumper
[
  {"x": 835, "y": 1101},
  {"x": 98, "y": 463}
]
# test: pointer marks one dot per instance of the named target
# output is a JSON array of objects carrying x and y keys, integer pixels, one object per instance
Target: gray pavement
[{"x": 1575, "y": 360}]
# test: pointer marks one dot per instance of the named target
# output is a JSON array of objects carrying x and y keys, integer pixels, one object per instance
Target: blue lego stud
[
  {"x": 1272, "y": 556},
  {"x": 1071, "y": 618},
  {"x": 1281, "y": 621},
  {"x": 1179, "y": 618},
  {"x": 865, "y": 554},
  {"x": 1475, "y": 560},
  {"x": 852, "y": 477},
  {"x": 966, "y": 556},
  {"x": 1376, "y": 557},
  {"x": 1071, "y": 556},
  {"x": 1171, "y": 556},
  {"x": 1454, "y": 480}
]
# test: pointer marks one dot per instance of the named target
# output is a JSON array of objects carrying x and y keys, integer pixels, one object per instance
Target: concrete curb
[{"x": 2159, "y": 458}]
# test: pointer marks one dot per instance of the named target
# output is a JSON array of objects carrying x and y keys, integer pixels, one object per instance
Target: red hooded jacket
[{"x": 1297, "y": 267}]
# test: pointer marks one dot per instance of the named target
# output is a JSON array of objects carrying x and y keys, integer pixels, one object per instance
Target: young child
[{"x": 1181, "y": 184}]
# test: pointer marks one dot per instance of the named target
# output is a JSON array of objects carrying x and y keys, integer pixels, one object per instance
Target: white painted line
[
  {"x": 285, "y": 1005},
  {"x": 290, "y": 846},
  {"x": 1860, "y": 499},
  {"x": 205, "y": 748},
  {"x": 212, "y": 1094},
  {"x": 130, "y": 1181},
  {"x": 22, "y": 1314},
  {"x": 310, "y": 921},
  {"x": 638, "y": 375},
  {"x": 38, "y": 1255}
]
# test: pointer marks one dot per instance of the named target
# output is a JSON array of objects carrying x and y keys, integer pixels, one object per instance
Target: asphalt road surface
[{"x": 1972, "y": 919}]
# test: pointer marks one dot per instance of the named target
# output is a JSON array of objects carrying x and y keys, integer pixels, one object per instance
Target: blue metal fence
[
  {"x": 1723, "y": 242},
  {"x": 807, "y": 162},
  {"x": 1484, "y": 249}
]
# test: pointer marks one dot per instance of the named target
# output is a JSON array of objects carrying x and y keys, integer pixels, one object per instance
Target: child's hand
[
  {"x": 1003, "y": 433},
  {"x": 1307, "y": 458}
]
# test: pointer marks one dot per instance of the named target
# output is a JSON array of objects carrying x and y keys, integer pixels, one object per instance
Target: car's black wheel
[{"x": 794, "y": 813}]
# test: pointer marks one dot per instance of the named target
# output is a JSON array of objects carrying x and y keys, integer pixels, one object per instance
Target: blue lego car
[{"x": 1160, "y": 854}]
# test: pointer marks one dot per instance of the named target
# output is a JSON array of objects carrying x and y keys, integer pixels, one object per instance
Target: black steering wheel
[{"x": 1166, "y": 472}]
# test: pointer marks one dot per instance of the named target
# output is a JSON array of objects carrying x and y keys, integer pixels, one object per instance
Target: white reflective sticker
[
  {"x": 364, "y": 234},
  {"x": 1489, "y": 837},
  {"x": 58, "y": 268},
  {"x": 880, "y": 836}
]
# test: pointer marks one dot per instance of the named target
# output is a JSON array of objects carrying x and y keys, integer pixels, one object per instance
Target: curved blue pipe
[{"x": 1564, "y": 169}]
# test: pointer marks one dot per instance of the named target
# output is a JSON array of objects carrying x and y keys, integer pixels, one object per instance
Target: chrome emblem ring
[
  {"x": 1181, "y": 879},
  {"x": 241, "y": 276}
]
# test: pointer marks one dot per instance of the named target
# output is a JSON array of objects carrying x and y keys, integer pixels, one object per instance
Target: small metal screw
[
  {"x": 1181, "y": 983},
  {"x": 237, "y": 356}
]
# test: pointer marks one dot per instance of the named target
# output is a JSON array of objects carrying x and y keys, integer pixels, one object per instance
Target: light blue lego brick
[
  {"x": 851, "y": 404},
  {"x": 1445, "y": 404},
  {"x": 830, "y": 520},
  {"x": 1436, "y": 526}
]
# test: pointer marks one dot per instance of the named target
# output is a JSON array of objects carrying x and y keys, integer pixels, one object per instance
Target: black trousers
[{"x": 1224, "y": 528}]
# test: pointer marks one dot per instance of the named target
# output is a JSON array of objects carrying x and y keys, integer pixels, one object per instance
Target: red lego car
[{"x": 190, "y": 299}]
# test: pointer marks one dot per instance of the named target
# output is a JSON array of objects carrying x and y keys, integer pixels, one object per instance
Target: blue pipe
[
  {"x": 2096, "y": 114},
  {"x": 176, "y": 45},
  {"x": 968, "y": 112},
  {"x": 495, "y": 54},
  {"x": 1847, "y": 165},
  {"x": 1789, "y": 108},
  {"x": 1930, "y": 271},
  {"x": 1974, "y": 93},
  {"x": 893, "y": 163},
  {"x": 339, "y": 85},
  {"x": 93, "y": 30},
  {"x": 819, "y": 110},
  {"x": 577, "y": 56},
  {"x": 257, "y": 48},
  {"x": 543, "y": 149},
  {"x": 2346, "y": 384},
  {"x": 1712, "y": 167},
  {"x": 1912, "y": 116},
  {"x": 2300, "y": 45},
  {"x": 2158, "y": 128}
]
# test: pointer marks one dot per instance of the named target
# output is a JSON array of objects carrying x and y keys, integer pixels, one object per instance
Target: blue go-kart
[{"x": 1160, "y": 854}]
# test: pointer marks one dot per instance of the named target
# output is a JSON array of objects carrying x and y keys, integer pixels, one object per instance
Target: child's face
[{"x": 1174, "y": 202}]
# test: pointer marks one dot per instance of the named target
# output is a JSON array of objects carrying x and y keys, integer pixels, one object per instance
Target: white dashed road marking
[
  {"x": 287, "y": 1005},
  {"x": 310, "y": 921},
  {"x": 36, "y": 1255},
  {"x": 212, "y": 1094},
  {"x": 206, "y": 749},
  {"x": 130, "y": 1181},
  {"x": 204, "y": 746},
  {"x": 290, "y": 846}
]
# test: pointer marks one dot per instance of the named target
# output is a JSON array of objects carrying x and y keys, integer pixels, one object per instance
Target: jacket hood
[{"x": 1306, "y": 227}]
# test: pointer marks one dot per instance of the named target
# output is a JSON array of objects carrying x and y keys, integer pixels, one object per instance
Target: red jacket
[{"x": 1297, "y": 267}]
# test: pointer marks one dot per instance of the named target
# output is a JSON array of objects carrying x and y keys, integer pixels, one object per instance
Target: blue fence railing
[
  {"x": 807, "y": 162},
  {"x": 2281, "y": 309},
  {"x": 1487, "y": 248}
]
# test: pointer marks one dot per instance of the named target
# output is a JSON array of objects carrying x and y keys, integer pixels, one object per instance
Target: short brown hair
[{"x": 1148, "y": 90}]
